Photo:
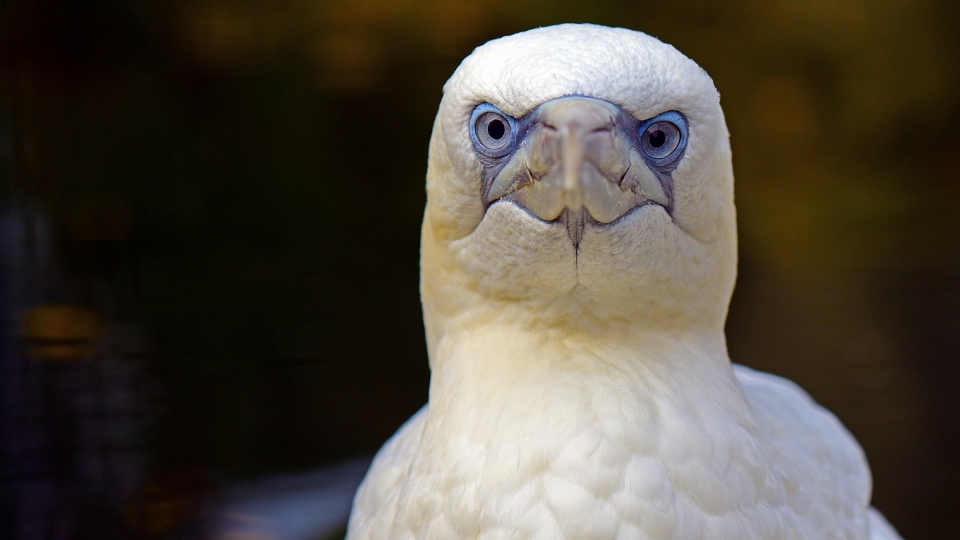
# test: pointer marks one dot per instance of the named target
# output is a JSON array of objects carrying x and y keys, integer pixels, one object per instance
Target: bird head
[{"x": 579, "y": 178}]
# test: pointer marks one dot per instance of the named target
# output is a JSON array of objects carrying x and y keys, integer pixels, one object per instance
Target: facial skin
[{"x": 577, "y": 159}]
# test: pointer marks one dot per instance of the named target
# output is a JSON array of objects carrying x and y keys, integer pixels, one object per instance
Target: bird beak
[
  {"x": 577, "y": 161},
  {"x": 572, "y": 140}
]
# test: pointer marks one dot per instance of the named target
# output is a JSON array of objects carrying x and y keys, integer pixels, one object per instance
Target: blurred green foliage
[{"x": 246, "y": 179}]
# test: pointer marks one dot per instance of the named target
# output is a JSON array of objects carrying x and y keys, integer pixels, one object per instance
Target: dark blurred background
[{"x": 210, "y": 210}]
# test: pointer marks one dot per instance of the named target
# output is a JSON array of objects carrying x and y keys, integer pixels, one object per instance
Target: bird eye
[
  {"x": 663, "y": 138},
  {"x": 491, "y": 130},
  {"x": 660, "y": 139}
]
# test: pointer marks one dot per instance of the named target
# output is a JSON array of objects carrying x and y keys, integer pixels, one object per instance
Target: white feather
[{"x": 588, "y": 394}]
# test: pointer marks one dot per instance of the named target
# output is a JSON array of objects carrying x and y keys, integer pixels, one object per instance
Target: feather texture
[{"x": 584, "y": 391}]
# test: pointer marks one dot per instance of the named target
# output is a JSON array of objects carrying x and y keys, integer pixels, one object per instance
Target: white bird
[{"x": 578, "y": 256}]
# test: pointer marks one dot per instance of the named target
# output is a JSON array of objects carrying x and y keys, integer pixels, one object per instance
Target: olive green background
[{"x": 244, "y": 181}]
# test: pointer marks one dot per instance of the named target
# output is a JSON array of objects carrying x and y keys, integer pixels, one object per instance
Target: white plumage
[{"x": 581, "y": 386}]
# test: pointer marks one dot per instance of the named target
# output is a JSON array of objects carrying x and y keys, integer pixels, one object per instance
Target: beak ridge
[{"x": 572, "y": 165}]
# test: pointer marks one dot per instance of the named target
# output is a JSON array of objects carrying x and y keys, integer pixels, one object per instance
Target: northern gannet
[{"x": 578, "y": 256}]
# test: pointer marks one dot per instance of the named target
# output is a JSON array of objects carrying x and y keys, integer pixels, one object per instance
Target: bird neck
[
  {"x": 508, "y": 403},
  {"x": 496, "y": 364}
]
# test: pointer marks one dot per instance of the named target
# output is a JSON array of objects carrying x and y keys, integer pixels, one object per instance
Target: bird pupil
[
  {"x": 657, "y": 138},
  {"x": 496, "y": 129}
]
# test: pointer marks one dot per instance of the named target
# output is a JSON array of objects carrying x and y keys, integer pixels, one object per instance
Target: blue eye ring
[
  {"x": 492, "y": 132},
  {"x": 668, "y": 129}
]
